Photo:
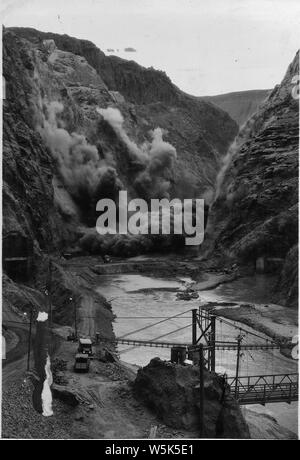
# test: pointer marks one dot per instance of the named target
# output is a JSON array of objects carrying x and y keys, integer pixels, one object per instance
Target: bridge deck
[
  {"x": 263, "y": 389},
  {"x": 161, "y": 344},
  {"x": 256, "y": 389}
]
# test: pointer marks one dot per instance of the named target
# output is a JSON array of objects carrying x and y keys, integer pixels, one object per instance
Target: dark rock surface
[
  {"x": 28, "y": 206},
  {"x": 171, "y": 391},
  {"x": 256, "y": 210},
  {"x": 288, "y": 282},
  {"x": 54, "y": 85},
  {"x": 200, "y": 132},
  {"x": 66, "y": 394}
]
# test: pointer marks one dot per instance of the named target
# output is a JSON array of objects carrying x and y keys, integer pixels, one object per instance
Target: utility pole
[
  {"x": 50, "y": 300},
  {"x": 213, "y": 343},
  {"x": 29, "y": 340},
  {"x": 194, "y": 326},
  {"x": 48, "y": 293},
  {"x": 75, "y": 316},
  {"x": 201, "y": 368},
  {"x": 239, "y": 341}
]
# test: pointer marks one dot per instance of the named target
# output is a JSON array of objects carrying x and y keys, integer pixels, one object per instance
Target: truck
[
  {"x": 82, "y": 362},
  {"x": 85, "y": 347}
]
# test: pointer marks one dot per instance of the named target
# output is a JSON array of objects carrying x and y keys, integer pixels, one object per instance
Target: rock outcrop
[
  {"x": 28, "y": 204},
  {"x": 264, "y": 426},
  {"x": 288, "y": 282},
  {"x": 256, "y": 211},
  {"x": 171, "y": 391},
  {"x": 82, "y": 77},
  {"x": 63, "y": 150},
  {"x": 66, "y": 394}
]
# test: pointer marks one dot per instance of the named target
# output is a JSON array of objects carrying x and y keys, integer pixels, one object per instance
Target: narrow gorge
[{"x": 80, "y": 125}]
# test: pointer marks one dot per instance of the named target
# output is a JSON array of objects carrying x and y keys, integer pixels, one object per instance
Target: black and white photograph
[{"x": 149, "y": 222}]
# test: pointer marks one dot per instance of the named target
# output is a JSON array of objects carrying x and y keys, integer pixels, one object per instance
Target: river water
[{"x": 139, "y": 301}]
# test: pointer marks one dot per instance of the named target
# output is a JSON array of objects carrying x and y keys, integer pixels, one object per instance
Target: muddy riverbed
[{"x": 139, "y": 301}]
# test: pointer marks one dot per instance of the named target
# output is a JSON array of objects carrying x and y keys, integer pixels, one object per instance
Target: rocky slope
[
  {"x": 80, "y": 126},
  {"x": 198, "y": 130},
  {"x": 255, "y": 214},
  {"x": 240, "y": 105},
  {"x": 76, "y": 128},
  {"x": 28, "y": 205},
  {"x": 171, "y": 391}
]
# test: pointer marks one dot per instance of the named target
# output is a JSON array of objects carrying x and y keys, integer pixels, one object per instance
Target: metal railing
[{"x": 263, "y": 389}]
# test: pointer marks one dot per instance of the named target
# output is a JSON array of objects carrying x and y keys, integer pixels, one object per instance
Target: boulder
[
  {"x": 66, "y": 394},
  {"x": 171, "y": 391}
]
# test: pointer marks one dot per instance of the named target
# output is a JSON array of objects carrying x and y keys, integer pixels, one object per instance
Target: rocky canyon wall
[{"x": 255, "y": 213}]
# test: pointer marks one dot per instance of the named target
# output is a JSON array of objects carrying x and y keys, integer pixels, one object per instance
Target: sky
[{"x": 206, "y": 47}]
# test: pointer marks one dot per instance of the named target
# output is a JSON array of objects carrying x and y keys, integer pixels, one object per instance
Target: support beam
[
  {"x": 75, "y": 317},
  {"x": 29, "y": 340},
  {"x": 201, "y": 368},
  {"x": 213, "y": 343},
  {"x": 194, "y": 326},
  {"x": 238, "y": 356},
  {"x": 48, "y": 293}
]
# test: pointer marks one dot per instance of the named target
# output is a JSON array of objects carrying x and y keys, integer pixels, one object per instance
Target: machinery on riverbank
[
  {"x": 85, "y": 347},
  {"x": 188, "y": 294},
  {"x": 82, "y": 363}
]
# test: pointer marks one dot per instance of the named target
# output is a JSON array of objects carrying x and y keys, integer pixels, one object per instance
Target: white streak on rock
[{"x": 46, "y": 393}]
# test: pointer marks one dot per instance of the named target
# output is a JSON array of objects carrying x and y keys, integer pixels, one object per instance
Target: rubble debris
[{"x": 66, "y": 394}]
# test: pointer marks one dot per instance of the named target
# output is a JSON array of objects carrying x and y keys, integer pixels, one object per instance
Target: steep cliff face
[
  {"x": 200, "y": 132},
  {"x": 240, "y": 105},
  {"x": 28, "y": 204},
  {"x": 79, "y": 126},
  {"x": 255, "y": 213}
]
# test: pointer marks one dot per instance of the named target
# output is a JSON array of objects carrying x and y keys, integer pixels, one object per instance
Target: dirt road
[
  {"x": 15, "y": 364},
  {"x": 87, "y": 317},
  {"x": 109, "y": 409}
]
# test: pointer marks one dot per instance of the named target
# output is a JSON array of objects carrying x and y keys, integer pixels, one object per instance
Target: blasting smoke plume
[
  {"x": 115, "y": 119},
  {"x": 232, "y": 151},
  {"x": 81, "y": 169},
  {"x": 225, "y": 165},
  {"x": 154, "y": 181},
  {"x": 89, "y": 178},
  {"x": 157, "y": 157},
  {"x": 128, "y": 245},
  {"x": 157, "y": 160}
]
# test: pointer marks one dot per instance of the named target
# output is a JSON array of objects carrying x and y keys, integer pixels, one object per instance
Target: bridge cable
[
  {"x": 157, "y": 338},
  {"x": 232, "y": 324},
  {"x": 153, "y": 324}
]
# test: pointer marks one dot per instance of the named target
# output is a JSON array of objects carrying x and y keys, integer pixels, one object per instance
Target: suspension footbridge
[{"x": 217, "y": 346}]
